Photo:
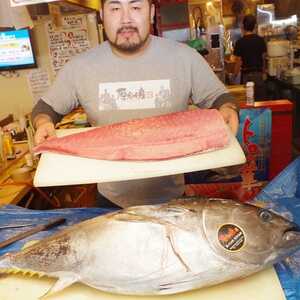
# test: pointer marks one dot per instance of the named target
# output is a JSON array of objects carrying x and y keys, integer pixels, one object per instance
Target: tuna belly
[
  {"x": 127, "y": 255},
  {"x": 148, "y": 259}
]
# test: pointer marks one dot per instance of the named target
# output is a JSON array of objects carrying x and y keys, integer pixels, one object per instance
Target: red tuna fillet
[{"x": 153, "y": 138}]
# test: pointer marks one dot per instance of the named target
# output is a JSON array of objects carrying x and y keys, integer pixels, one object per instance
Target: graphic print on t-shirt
[{"x": 134, "y": 94}]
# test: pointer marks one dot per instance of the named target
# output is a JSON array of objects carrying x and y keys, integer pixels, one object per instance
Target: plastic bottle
[
  {"x": 8, "y": 145},
  {"x": 2, "y": 153},
  {"x": 250, "y": 93},
  {"x": 22, "y": 122}
]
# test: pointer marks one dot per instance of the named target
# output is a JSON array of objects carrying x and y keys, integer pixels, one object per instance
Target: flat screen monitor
[{"x": 16, "y": 51}]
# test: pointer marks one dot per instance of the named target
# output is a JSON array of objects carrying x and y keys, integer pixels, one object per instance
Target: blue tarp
[
  {"x": 14, "y": 215},
  {"x": 281, "y": 195}
]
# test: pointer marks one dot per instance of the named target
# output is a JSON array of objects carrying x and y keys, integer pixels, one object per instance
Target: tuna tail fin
[{"x": 65, "y": 279}]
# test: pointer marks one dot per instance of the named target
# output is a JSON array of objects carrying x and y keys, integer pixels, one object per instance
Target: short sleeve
[
  {"x": 206, "y": 86},
  {"x": 62, "y": 95}
]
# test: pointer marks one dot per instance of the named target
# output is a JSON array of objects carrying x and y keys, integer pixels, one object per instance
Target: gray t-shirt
[{"x": 112, "y": 89}]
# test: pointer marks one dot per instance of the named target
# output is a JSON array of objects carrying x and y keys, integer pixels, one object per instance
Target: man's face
[{"x": 127, "y": 23}]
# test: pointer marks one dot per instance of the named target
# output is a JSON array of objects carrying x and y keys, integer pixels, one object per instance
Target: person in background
[
  {"x": 121, "y": 79},
  {"x": 248, "y": 55}
]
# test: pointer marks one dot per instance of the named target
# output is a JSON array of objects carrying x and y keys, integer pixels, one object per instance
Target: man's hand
[
  {"x": 44, "y": 128},
  {"x": 230, "y": 115}
]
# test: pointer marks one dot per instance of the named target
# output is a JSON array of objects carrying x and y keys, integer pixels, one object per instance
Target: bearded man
[{"x": 133, "y": 75}]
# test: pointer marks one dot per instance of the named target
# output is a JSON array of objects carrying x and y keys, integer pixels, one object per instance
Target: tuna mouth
[
  {"x": 292, "y": 234},
  {"x": 293, "y": 227}
]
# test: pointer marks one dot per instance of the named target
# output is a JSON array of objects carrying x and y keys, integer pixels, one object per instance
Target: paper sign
[
  {"x": 17, "y": 17},
  {"x": 27, "y": 2},
  {"x": 39, "y": 82}
]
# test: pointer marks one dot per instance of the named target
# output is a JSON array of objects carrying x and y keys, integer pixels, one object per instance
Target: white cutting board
[
  {"x": 57, "y": 169},
  {"x": 261, "y": 286}
]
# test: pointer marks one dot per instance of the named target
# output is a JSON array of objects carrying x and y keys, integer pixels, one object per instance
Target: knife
[
  {"x": 15, "y": 226},
  {"x": 32, "y": 231}
]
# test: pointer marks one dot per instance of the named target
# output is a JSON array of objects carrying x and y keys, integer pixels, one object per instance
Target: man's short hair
[{"x": 249, "y": 22}]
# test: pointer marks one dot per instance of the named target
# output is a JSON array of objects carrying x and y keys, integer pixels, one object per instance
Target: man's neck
[{"x": 130, "y": 55}]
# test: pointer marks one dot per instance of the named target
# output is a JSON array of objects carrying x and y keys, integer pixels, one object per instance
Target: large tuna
[
  {"x": 153, "y": 138},
  {"x": 161, "y": 249}
]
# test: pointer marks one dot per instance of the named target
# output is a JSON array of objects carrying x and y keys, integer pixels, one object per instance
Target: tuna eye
[{"x": 265, "y": 216}]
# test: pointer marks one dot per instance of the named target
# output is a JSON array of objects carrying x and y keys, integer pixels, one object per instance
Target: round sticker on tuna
[{"x": 231, "y": 237}]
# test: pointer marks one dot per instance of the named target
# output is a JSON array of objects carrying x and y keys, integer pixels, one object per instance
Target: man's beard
[{"x": 128, "y": 46}]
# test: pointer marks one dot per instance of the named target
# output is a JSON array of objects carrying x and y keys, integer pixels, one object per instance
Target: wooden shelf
[
  {"x": 5, "y": 170},
  {"x": 91, "y": 4},
  {"x": 10, "y": 192}
]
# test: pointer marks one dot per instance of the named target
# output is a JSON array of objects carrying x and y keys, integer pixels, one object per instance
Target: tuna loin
[{"x": 154, "y": 138}]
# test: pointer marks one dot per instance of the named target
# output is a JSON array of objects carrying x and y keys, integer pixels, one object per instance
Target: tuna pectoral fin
[
  {"x": 65, "y": 279},
  {"x": 169, "y": 227},
  {"x": 176, "y": 252}
]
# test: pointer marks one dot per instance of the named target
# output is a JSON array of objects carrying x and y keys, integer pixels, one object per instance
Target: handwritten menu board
[{"x": 69, "y": 39}]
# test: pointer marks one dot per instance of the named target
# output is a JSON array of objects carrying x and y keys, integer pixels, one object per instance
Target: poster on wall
[
  {"x": 17, "y": 17},
  {"x": 39, "y": 82},
  {"x": 241, "y": 182},
  {"x": 70, "y": 39},
  {"x": 28, "y": 2}
]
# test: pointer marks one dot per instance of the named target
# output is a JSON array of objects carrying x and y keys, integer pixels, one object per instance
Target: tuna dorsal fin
[{"x": 65, "y": 279}]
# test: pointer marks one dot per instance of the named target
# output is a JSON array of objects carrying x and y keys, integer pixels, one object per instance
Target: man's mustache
[{"x": 127, "y": 28}]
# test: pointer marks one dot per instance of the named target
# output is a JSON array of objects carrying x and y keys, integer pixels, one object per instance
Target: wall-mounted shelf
[{"x": 92, "y": 4}]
